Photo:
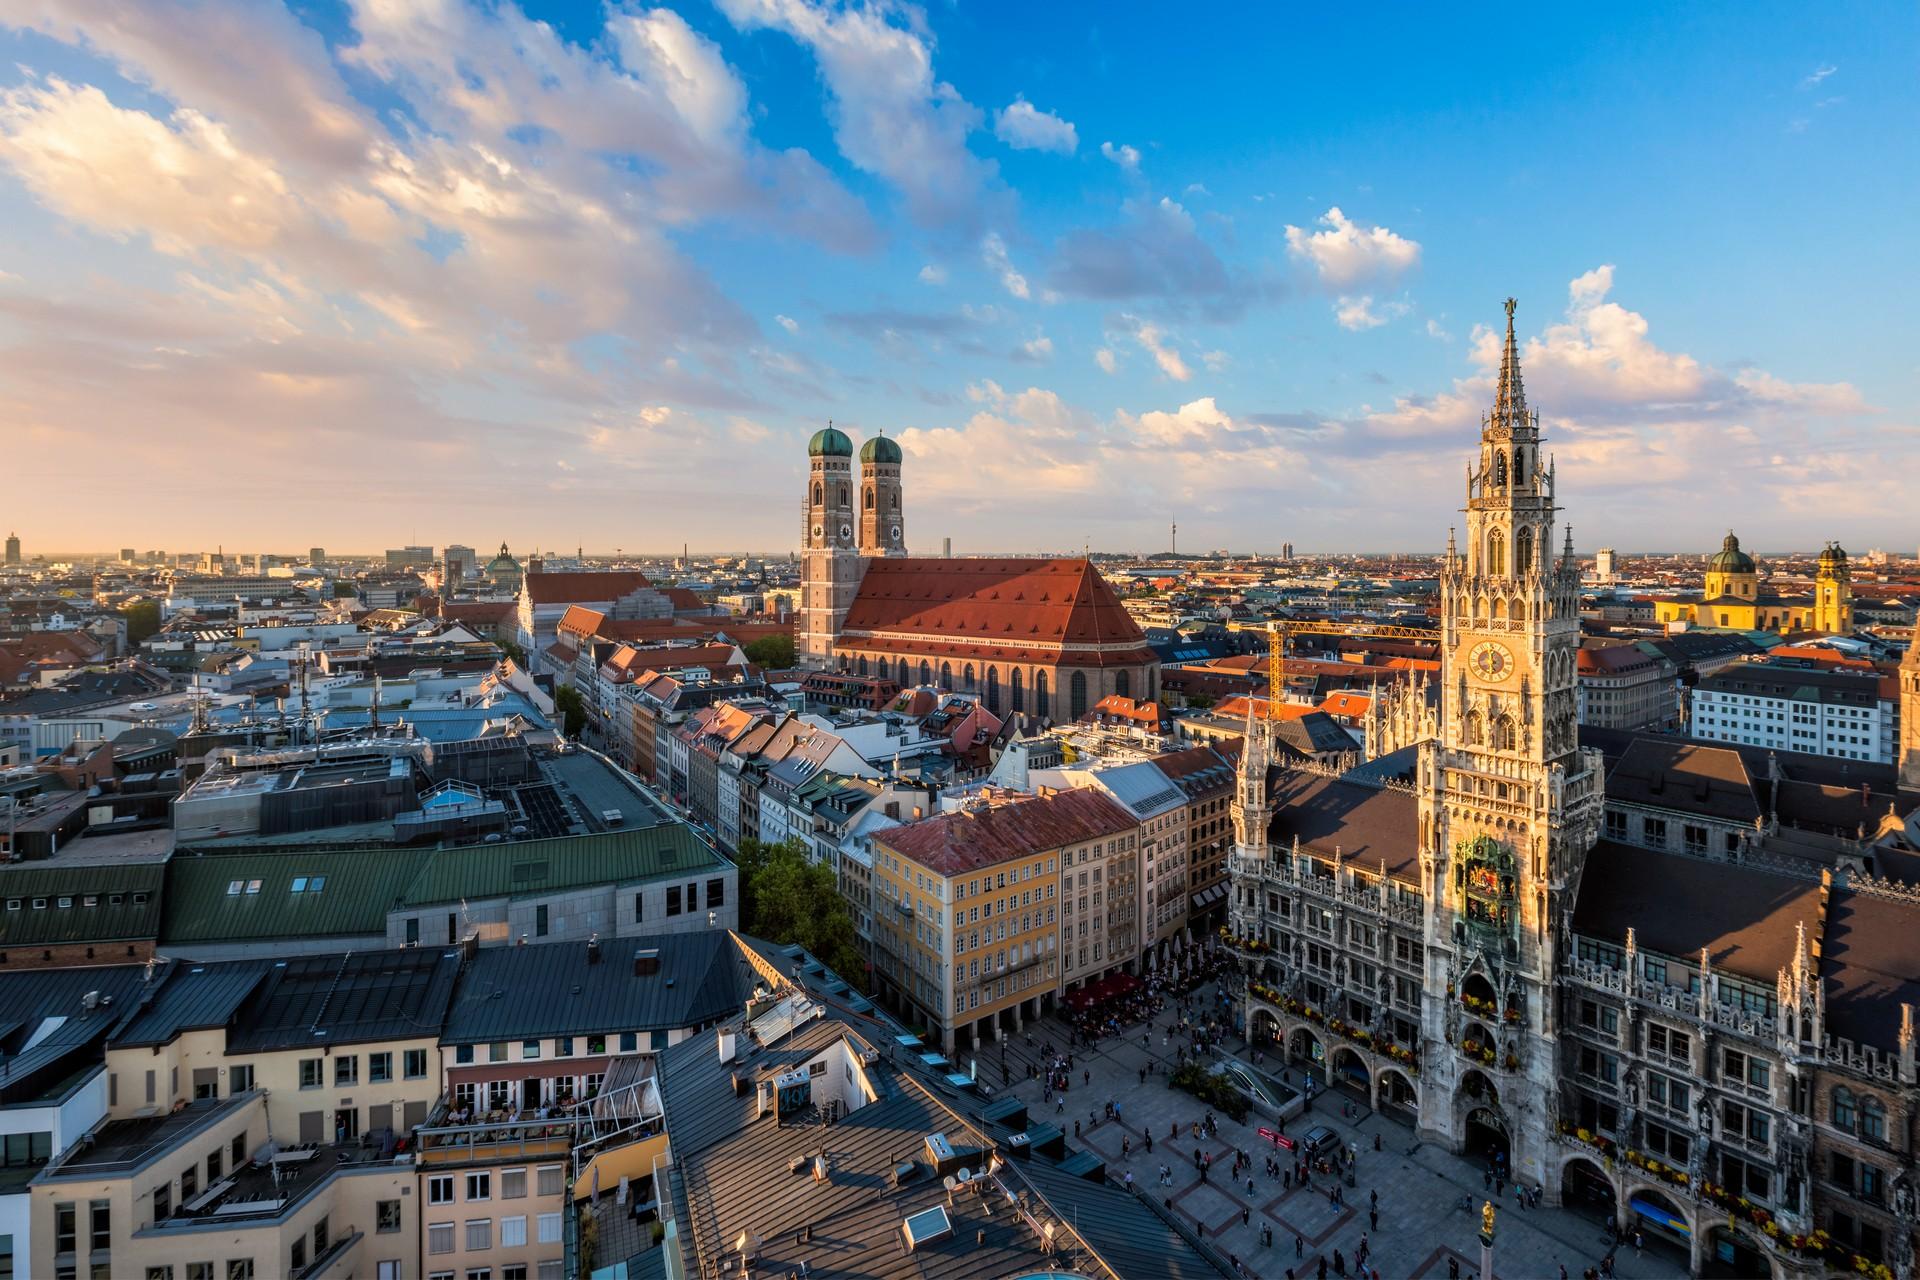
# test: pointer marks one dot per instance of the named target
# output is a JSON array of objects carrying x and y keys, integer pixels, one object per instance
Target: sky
[{"x": 363, "y": 273}]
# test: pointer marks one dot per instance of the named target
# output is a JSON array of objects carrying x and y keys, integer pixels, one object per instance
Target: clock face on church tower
[{"x": 1490, "y": 661}]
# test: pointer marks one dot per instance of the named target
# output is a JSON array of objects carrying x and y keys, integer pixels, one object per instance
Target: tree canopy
[
  {"x": 785, "y": 897},
  {"x": 774, "y": 652}
]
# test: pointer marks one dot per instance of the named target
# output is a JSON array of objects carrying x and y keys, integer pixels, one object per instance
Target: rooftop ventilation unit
[{"x": 646, "y": 962}]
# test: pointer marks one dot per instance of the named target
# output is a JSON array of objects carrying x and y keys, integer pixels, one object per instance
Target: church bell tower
[
  {"x": 830, "y": 563},
  {"x": 1509, "y": 803},
  {"x": 882, "y": 524}
]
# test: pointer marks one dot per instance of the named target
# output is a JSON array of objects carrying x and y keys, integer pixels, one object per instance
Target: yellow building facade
[{"x": 1733, "y": 598}]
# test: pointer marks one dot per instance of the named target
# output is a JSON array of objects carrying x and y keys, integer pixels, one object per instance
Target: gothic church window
[
  {"x": 1041, "y": 704},
  {"x": 1019, "y": 691},
  {"x": 1476, "y": 734},
  {"x": 1077, "y": 698},
  {"x": 1122, "y": 685},
  {"x": 993, "y": 690},
  {"x": 1496, "y": 553},
  {"x": 1500, "y": 470},
  {"x": 1504, "y": 737},
  {"x": 1523, "y": 551}
]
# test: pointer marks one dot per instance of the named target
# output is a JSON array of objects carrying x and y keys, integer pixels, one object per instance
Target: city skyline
[{"x": 310, "y": 274}]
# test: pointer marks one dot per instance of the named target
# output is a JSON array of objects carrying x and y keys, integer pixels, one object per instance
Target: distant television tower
[{"x": 1173, "y": 538}]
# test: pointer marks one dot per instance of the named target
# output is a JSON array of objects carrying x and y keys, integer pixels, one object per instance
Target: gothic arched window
[
  {"x": 1499, "y": 608},
  {"x": 966, "y": 678},
  {"x": 1496, "y": 553},
  {"x": 926, "y": 672},
  {"x": 946, "y": 675},
  {"x": 1476, "y": 734},
  {"x": 862, "y": 666},
  {"x": 993, "y": 690},
  {"x": 869, "y": 499},
  {"x": 1122, "y": 684},
  {"x": 1041, "y": 704},
  {"x": 1523, "y": 551},
  {"x": 1503, "y": 734},
  {"x": 1873, "y": 1120},
  {"x": 1519, "y": 464},
  {"x": 1077, "y": 694},
  {"x": 819, "y": 495},
  {"x": 1500, "y": 470},
  {"x": 1519, "y": 610},
  {"x": 1019, "y": 691},
  {"x": 1843, "y": 1109}
]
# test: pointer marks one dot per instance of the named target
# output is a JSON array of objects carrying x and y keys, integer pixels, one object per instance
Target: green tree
[
  {"x": 787, "y": 898},
  {"x": 143, "y": 620},
  {"x": 573, "y": 711},
  {"x": 342, "y": 588},
  {"x": 774, "y": 652},
  {"x": 514, "y": 651}
]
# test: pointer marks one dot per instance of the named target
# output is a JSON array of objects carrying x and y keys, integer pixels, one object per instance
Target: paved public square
[{"x": 1421, "y": 1222}]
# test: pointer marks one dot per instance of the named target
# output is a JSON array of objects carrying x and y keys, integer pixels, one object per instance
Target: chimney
[
  {"x": 646, "y": 962},
  {"x": 593, "y": 949},
  {"x": 729, "y": 1040}
]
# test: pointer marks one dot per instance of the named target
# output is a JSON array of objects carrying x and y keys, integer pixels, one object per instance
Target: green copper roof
[
  {"x": 880, "y": 449},
  {"x": 830, "y": 441}
]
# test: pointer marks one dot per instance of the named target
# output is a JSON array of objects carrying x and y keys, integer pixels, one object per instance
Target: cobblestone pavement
[{"x": 1421, "y": 1223}]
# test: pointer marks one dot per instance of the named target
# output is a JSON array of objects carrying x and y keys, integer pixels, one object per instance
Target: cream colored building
[
  {"x": 180, "y": 1196},
  {"x": 975, "y": 927}
]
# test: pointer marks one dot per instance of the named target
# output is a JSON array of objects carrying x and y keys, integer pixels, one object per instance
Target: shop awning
[{"x": 1659, "y": 1214}]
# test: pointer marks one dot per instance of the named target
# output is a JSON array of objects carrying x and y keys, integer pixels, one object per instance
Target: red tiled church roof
[
  {"x": 1004, "y": 604},
  {"x": 566, "y": 588}
]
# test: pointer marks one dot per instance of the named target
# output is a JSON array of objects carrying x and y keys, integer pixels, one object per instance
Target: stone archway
[
  {"x": 1305, "y": 1050},
  {"x": 1265, "y": 1027},
  {"x": 1395, "y": 1095},
  {"x": 1665, "y": 1222},
  {"x": 1487, "y": 1139},
  {"x": 1350, "y": 1071},
  {"x": 1733, "y": 1254},
  {"x": 1586, "y": 1189}
]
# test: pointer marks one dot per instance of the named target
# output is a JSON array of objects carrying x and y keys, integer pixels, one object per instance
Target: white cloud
[
  {"x": 1818, "y": 74},
  {"x": 788, "y": 323},
  {"x": 1435, "y": 331},
  {"x": 1025, "y": 127},
  {"x": 933, "y": 273},
  {"x": 1128, "y": 158},
  {"x": 1196, "y": 189},
  {"x": 1345, "y": 253},
  {"x": 1108, "y": 362},
  {"x": 993, "y": 251},
  {"x": 1359, "y": 313},
  {"x": 1216, "y": 361},
  {"x": 890, "y": 115},
  {"x": 1038, "y": 350},
  {"x": 1164, "y": 353}
]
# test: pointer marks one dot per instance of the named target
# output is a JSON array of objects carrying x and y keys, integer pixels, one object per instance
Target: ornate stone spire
[{"x": 1509, "y": 396}]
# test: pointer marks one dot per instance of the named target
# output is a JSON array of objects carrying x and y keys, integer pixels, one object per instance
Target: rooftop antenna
[{"x": 373, "y": 719}]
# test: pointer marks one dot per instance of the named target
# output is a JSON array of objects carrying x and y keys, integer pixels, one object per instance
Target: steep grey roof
[
  {"x": 1367, "y": 823},
  {"x": 192, "y": 997},
  {"x": 551, "y": 989},
  {"x": 28, "y": 998}
]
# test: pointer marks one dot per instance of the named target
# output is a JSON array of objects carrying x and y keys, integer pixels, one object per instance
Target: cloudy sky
[{"x": 360, "y": 272}]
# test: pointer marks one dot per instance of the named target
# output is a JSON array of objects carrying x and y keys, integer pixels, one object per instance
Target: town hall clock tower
[{"x": 1509, "y": 803}]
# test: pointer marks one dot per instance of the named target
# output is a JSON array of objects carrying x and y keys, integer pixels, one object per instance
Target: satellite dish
[
  {"x": 950, "y": 1182},
  {"x": 966, "y": 1176}
]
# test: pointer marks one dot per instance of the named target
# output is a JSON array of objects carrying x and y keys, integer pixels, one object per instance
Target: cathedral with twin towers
[{"x": 1044, "y": 638}]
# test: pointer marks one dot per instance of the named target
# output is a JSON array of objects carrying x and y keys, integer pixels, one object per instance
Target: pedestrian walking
[
  {"x": 1246, "y": 1215},
  {"x": 1299, "y": 1245},
  {"x": 1373, "y": 1219}
]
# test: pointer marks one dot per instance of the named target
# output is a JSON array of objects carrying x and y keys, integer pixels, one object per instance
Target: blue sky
[{"x": 354, "y": 273}]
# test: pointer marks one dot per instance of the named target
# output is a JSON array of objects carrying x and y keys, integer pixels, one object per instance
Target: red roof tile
[
  {"x": 1017, "y": 603},
  {"x": 566, "y": 588},
  {"x": 956, "y": 843}
]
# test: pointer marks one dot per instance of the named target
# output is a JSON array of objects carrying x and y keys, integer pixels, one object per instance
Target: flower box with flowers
[
  {"x": 1485, "y": 1008},
  {"x": 1480, "y": 1052},
  {"x": 1512, "y": 1014}
]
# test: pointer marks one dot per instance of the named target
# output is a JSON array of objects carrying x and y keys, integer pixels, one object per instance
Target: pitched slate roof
[
  {"x": 553, "y": 989},
  {"x": 1677, "y": 904},
  {"x": 1366, "y": 823},
  {"x": 1867, "y": 963},
  {"x": 125, "y": 902}
]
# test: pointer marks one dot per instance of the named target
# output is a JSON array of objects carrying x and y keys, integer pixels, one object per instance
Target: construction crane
[{"x": 1377, "y": 630}]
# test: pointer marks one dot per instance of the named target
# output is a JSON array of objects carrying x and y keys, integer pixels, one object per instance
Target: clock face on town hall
[{"x": 1490, "y": 660}]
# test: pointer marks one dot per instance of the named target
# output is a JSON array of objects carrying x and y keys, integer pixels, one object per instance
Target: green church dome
[
  {"x": 830, "y": 442},
  {"x": 1730, "y": 558},
  {"x": 880, "y": 449}
]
